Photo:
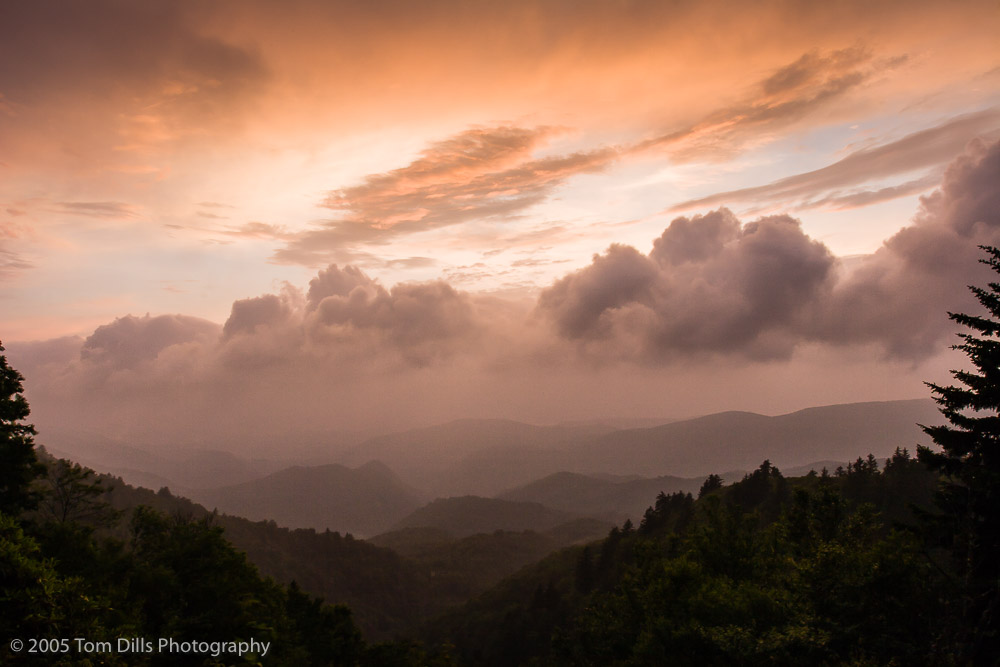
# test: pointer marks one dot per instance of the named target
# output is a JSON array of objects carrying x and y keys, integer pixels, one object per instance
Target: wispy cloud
[
  {"x": 11, "y": 263},
  {"x": 788, "y": 95},
  {"x": 493, "y": 173},
  {"x": 930, "y": 148},
  {"x": 479, "y": 174},
  {"x": 99, "y": 209},
  {"x": 260, "y": 231}
]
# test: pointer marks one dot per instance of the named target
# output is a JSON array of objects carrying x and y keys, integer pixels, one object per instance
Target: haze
[{"x": 245, "y": 224}]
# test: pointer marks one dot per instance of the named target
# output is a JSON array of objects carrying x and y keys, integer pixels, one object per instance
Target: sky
[{"x": 235, "y": 219}]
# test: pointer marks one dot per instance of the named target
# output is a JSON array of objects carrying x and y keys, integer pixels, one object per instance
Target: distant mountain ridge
[
  {"x": 493, "y": 457},
  {"x": 473, "y": 456},
  {"x": 601, "y": 498},
  {"x": 365, "y": 500},
  {"x": 490, "y": 457},
  {"x": 469, "y": 515},
  {"x": 734, "y": 440}
]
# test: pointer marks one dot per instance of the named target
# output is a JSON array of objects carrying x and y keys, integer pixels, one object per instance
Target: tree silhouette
[
  {"x": 969, "y": 462},
  {"x": 18, "y": 464}
]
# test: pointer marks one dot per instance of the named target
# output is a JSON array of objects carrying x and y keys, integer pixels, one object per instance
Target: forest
[{"x": 873, "y": 563}]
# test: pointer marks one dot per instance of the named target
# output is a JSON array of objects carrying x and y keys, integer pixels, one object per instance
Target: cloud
[
  {"x": 55, "y": 352},
  {"x": 423, "y": 321},
  {"x": 709, "y": 285},
  {"x": 713, "y": 285},
  {"x": 99, "y": 209},
  {"x": 494, "y": 172},
  {"x": 256, "y": 230},
  {"x": 249, "y": 314},
  {"x": 792, "y": 92},
  {"x": 860, "y": 198},
  {"x": 108, "y": 45},
  {"x": 110, "y": 91},
  {"x": 898, "y": 296},
  {"x": 718, "y": 307},
  {"x": 131, "y": 341},
  {"x": 334, "y": 281},
  {"x": 928, "y": 148},
  {"x": 11, "y": 263},
  {"x": 478, "y": 174}
]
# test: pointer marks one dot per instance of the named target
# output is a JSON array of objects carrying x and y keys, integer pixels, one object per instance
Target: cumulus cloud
[
  {"x": 759, "y": 299},
  {"x": 336, "y": 281},
  {"x": 713, "y": 285},
  {"x": 899, "y": 295},
  {"x": 420, "y": 320},
  {"x": 709, "y": 284},
  {"x": 249, "y": 314},
  {"x": 129, "y": 341}
]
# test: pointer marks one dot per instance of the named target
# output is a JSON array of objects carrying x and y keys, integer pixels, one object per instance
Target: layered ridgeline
[
  {"x": 767, "y": 566},
  {"x": 606, "y": 497},
  {"x": 363, "y": 501},
  {"x": 564, "y": 468},
  {"x": 769, "y": 570},
  {"x": 491, "y": 457},
  {"x": 392, "y": 583}
]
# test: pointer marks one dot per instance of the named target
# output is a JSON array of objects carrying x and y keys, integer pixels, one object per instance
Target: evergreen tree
[
  {"x": 712, "y": 483},
  {"x": 18, "y": 464},
  {"x": 969, "y": 461}
]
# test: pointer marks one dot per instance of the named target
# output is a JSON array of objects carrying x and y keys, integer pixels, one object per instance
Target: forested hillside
[
  {"x": 769, "y": 570},
  {"x": 869, "y": 564}
]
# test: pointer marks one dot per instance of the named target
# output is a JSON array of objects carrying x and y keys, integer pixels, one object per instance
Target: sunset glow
[{"x": 404, "y": 212}]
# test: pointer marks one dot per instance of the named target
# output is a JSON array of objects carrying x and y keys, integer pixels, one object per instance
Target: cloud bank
[
  {"x": 715, "y": 295},
  {"x": 712, "y": 285}
]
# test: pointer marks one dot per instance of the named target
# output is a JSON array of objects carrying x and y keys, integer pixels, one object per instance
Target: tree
[
  {"x": 969, "y": 461},
  {"x": 712, "y": 483},
  {"x": 18, "y": 464},
  {"x": 73, "y": 493}
]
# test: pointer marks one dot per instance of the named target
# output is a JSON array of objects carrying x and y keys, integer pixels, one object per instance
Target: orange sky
[{"x": 177, "y": 157}]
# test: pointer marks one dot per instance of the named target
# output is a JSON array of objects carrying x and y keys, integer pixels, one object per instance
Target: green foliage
[
  {"x": 71, "y": 493},
  {"x": 36, "y": 600},
  {"x": 18, "y": 464},
  {"x": 712, "y": 483},
  {"x": 327, "y": 634},
  {"x": 765, "y": 571},
  {"x": 970, "y": 463}
]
